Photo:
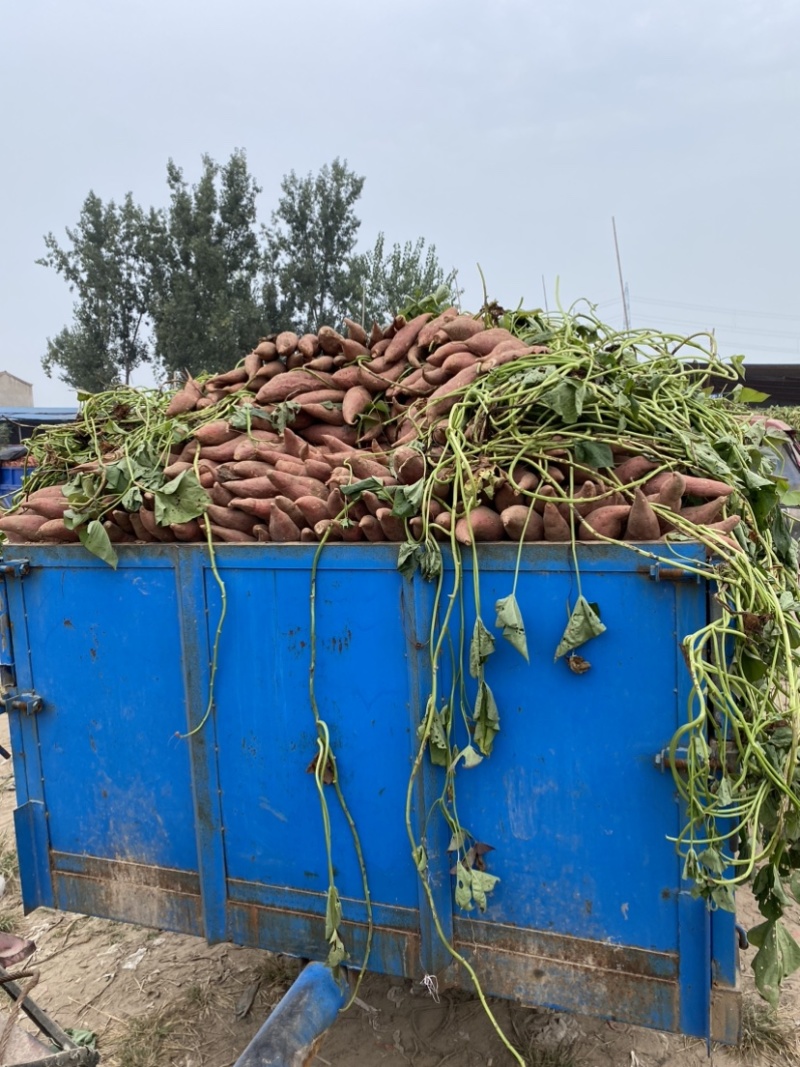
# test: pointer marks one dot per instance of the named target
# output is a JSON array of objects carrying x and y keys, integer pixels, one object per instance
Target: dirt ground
[{"x": 156, "y": 999}]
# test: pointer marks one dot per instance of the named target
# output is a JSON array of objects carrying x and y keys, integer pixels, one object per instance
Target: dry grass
[{"x": 766, "y": 1035}]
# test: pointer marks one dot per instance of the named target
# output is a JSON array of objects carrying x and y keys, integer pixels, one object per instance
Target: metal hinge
[
  {"x": 659, "y": 573},
  {"x": 18, "y": 568},
  {"x": 29, "y": 703}
]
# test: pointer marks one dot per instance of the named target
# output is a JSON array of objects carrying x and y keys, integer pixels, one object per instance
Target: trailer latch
[
  {"x": 19, "y": 568},
  {"x": 679, "y": 759},
  {"x": 659, "y": 573},
  {"x": 27, "y": 702}
]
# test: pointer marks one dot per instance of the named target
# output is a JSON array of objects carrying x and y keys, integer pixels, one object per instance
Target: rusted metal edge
[
  {"x": 563, "y": 948},
  {"x": 726, "y": 1015},
  {"x": 126, "y": 872}
]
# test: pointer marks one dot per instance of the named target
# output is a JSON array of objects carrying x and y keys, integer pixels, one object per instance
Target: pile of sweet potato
[{"x": 356, "y": 408}]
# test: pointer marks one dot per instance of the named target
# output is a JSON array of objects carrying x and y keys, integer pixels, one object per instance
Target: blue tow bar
[{"x": 290, "y": 1035}]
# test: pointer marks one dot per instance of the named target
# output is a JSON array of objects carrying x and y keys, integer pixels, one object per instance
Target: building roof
[{"x": 37, "y": 416}]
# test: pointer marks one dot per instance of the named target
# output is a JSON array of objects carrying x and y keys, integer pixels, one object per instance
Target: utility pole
[{"x": 623, "y": 287}]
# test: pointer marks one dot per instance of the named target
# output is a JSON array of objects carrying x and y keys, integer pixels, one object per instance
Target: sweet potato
[
  {"x": 220, "y": 495},
  {"x": 671, "y": 490},
  {"x": 215, "y": 433},
  {"x": 187, "y": 531},
  {"x": 176, "y": 468},
  {"x": 243, "y": 468},
  {"x": 462, "y": 327},
  {"x": 122, "y": 519},
  {"x": 50, "y": 507},
  {"x": 371, "y": 528},
  {"x": 294, "y": 486},
  {"x": 393, "y": 528},
  {"x": 308, "y": 346},
  {"x": 316, "y": 435},
  {"x": 55, "y": 530},
  {"x": 703, "y": 514},
  {"x": 441, "y": 354},
  {"x": 522, "y": 524},
  {"x": 554, "y": 526},
  {"x": 230, "y": 517},
  {"x": 405, "y": 338},
  {"x": 481, "y": 344},
  {"x": 21, "y": 526},
  {"x": 481, "y": 524},
  {"x": 221, "y": 453},
  {"x": 160, "y": 533},
  {"x": 181, "y": 403},
  {"x": 328, "y": 530},
  {"x": 706, "y": 487},
  {"x": 356, "y": 401},
  {"x": 281, "y": 527},
  {"x": 291, "y": 384},
  {"x": 327, "y": 412},
  {"x": 545, "y": 495},
  {"x": 290, "y": 508},
  {"x": 409, "y": 465},
  {"x": 608, "y": 521},
  {"x": 294, "y": 445},
  {"x": 633, "y": 469},
  {"x": 642, "y": 522},
  {"x": 234, "y": 377},
  {"x": 447, "y": 395},
  {"x": 258, "y": 507},
  {"x": 139, "y": 530},
  {"x": 257, "y": 487},
  {"x": 431, "y": 328},
  {"x": 329, "y": 340},
  {"x": 378, "y": 382},
  {"x": 353, "y": 350},
  {"x": 356, "y": 332},
  {"x": 286, "y": 343},
  {"x": 312, "y": 508},
  {"x": 267, "y": 350},
  {"x": 225, "y": 533},
  {"x": 725, "y": 526}
]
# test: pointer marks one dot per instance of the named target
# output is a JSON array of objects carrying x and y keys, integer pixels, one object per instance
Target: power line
[{"x": 717, "y": 310}]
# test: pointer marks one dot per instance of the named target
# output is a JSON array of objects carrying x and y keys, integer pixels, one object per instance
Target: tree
[
  {"x": 383, "y": 283},
  {"x": 205, "y": 268},
  {"x": 309, "y": 249},
  {"x": 107, "y": 269}
]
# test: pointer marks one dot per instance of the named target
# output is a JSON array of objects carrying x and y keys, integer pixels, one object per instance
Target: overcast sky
[{"x": 506, "y": 132}]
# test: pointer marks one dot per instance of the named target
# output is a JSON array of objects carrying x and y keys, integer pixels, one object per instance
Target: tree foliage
[
  {"x": 205, "y": 265},
  {"x": 309, "y": 248},
  {"x": 383, "y": 282},
  {"x": 106, "y": 269},
  {"x": 193, "y": 286}
]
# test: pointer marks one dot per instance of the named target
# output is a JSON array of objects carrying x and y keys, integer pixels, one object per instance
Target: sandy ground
[{"x": 156, "y": 999}]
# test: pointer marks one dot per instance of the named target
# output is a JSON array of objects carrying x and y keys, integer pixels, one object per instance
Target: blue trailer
[{"x": 219, "y": 834}]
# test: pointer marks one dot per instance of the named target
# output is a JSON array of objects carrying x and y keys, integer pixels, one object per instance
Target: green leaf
[
  {"x": 82, "y": 1038},
  {"x": 431, "y": 562},
  {"x": 408, "y": 500},
  {"x": 593, "y": 454},
  {"x": 482, "y": 883},
  {"x": 337, "y": 953},
  {"x": 333, "y": 912},
  {"x": 470, "y": 757},
  {"x": 94, "y": 537},
  {"x": 463, "y": 887},
  {"x": 790, "y": 499},
  {"x": 420, "y": 859},
  {"x": 713, "y": 860},
  {"x": 794, "y": 885},
  {"x": 480, "y": 648},
  {"x": 456, "y": 841},
  {"x": 408, "y": 558},
  {"x": 437, "y": 740},
  {"x": 357, "y": 488},
  {"x": 487, "y": 719},
  {"x": 566, "y": 399},
  {"x": 769, "y": 892},
  {"x": 584, "y": 624},
  {"x": 778, "y": 956},
  {"x": 180, "y": 500},
  {"x": 743, "y": 395},
  {"x": 509, "y": 619}
]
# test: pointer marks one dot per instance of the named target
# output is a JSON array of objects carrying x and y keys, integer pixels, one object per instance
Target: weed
[{"x": 767, "y": 1035}]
